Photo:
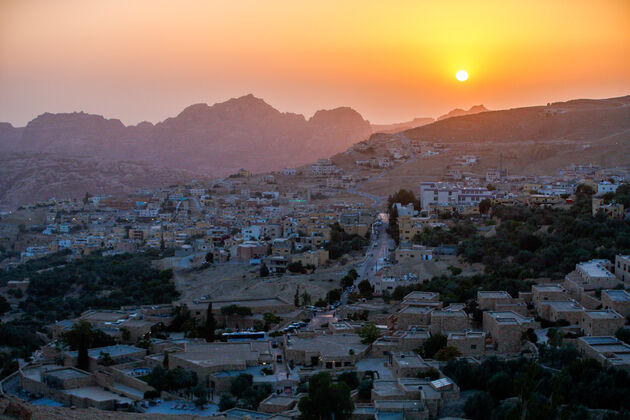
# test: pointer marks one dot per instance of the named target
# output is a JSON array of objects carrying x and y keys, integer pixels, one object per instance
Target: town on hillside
[{"x": 286, "y": 294}]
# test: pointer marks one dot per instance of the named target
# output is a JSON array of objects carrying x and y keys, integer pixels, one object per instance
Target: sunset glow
[
  {"x": 462, "y": 75},
  {"x": 147, "y": 59}
]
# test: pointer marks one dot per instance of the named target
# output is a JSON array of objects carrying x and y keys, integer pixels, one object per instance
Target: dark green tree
[
  {"x": 240, "y": 384},
  {"x": 264, "y": 271},
  {"x": 432, "y": 345},
  {"x": 369, "y": 333},
  {"x": 365, "y": 288},
  {"x": 211, "y": 324},
  {"x": 326, "y": 400}
]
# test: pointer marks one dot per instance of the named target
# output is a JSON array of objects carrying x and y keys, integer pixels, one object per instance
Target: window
[{"x": 473, "y": 346}]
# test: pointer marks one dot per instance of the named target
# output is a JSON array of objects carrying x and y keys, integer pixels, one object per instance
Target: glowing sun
[{"x": 462, "y": 75}]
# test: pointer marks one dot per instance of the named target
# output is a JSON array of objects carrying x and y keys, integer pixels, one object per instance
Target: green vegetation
[
  {"x": 96, "y": 282},
  {"x": 341, "y": 242},
  {"x": 326, "y": 399},
  {"x": 366, "y": 289},
  {"x": 448, "y": 353},
  {"x": 296, "y": 267},
  {"x": 432, "y": 346},
  {"x": 177, "y": 379},
  {"x": 244, "y": 394},
  {"x": 369, "y": 333},
  {"x": 545, "y": 242},
  {"x": 349, "y": 378},
  {"x": 61, "y": 289},
  {"x": 539, "y": 393},
  {"x": 5, "y": 306},
  {"x": 264, "y": 271},
  {"x": 236, "y": 310},
  {"x": 438, "y": 236},
  {"x": 83, "y": 337},
  {"x": 403, "y": 197},
  {"x": 348, "y": 279},
  {"x": 529, "y": 243}
]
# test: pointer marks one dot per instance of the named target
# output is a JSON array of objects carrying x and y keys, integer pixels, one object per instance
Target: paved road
[{"x": 379, "y": 248}]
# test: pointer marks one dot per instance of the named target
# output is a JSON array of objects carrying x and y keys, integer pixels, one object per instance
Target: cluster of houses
[
  {"x": 589, "y": 306},
  {"x": 238, "y": 226}
]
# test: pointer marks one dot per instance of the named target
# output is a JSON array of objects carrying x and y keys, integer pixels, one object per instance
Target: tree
[
  {"x": 387, "y": 297},
  {"x": 211, "y": 324},
  {"x": 479, "y": 406},
  {"x": 432, "y": 345},
  {"x": 264, "y": 271},
  {"x": 326, "y": 400},
  {"x": 500, "y": 386},
  {"x": 240, "y": 384},
  {"x": 485, "y": 205},
  {"x": 296, "y": 267},
  {"x": 365, "y": 288},
  {"x": 347, "y": 281},
  {"x": 105, "y": 359},
  {"x": 306, "y": 299},
  {"x": 349, "y": 378},
  {"x": 5, "y": 306},
  {"x": 365, "y": 389},
  {"x": 447, "y": 353},
  {"x": 334, "y": 295},
  {"x": 296, "y": 297},
  {"x": 83, "y": 358},
  {"x": 125, "y": 334},
  {"x": 271, "y": 319},
  {"x": 226, "y": 402},
  {"x": 369, "y": 333},
  {"x": 236, "y": 310},
  {"x": 623, "y": 334},
  {"x": 83, "y": 337}
]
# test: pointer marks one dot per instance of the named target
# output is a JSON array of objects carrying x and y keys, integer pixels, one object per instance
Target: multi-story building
[
  {"x": 617, "y": 300},
  {"x": 506, "y": 329},
  {"x": 622, "y": 267}
]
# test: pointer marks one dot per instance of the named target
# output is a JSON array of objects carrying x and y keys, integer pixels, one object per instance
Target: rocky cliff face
[
  {"x": 61, "y": 154},
  {"x": 458, "y": 112},
  {"x": 241, "y": 132}
]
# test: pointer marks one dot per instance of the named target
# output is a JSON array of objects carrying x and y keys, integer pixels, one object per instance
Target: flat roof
[
  {"x": 508, "y": 317},
  {"x": 218, "y": 354},
  {"x": 618, "y": 295},
  {"x": 605, "y": 314},
  {"x": 113, "y": 351},
  {"x": 548, "y": 288},
  {"x": 416, "y": 310},
  {"x": 417, "y": 294},
  {"x": 335, "y": 345},
  {"x": 595, "y": 268},
  {"x": 96, "y": 393},
  {"x": 564, "y": 305},
  {"x": 493, "y": 294},
  {"x": 409, "y": 360},
  {"x": 68, "y": 373},
  {"x": 596, "y": 340},
  {"x": 451, "y": 313}
]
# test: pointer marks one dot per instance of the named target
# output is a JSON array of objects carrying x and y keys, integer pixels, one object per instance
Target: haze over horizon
[{"x": 148, "y": 60}]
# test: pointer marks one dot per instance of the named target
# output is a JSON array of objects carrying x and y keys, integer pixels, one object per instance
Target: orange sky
[{"x": 391, "y": 60}]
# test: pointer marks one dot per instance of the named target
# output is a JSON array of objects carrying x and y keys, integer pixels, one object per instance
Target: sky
[{"x": 146, "y": 60}]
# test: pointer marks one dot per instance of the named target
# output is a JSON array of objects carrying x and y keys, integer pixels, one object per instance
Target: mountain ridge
[{"x": 197, "y": 138}]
